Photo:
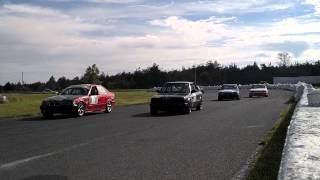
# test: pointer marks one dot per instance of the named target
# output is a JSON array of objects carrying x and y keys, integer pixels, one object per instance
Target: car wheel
[
  {"x": 81, "y": 109},
  {"x": 47, "y": 114},
  {"x": 108, "y": 107},
  {"x": 199, "y": 107},
  {"x": 153, "y": 111},
  {"x": 238, "y": 97},
  {"x": 219, "y": 98}
]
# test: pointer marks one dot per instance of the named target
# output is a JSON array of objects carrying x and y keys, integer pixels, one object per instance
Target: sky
[{"x": 63, "y": 37}]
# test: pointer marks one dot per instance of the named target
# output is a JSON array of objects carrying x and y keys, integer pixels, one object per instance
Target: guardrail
[
  {"x": 290, "y": 87},
  {"x": 301, "y": 153}
]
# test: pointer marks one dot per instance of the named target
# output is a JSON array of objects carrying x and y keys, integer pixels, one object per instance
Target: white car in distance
[{"x": 259, "y": 90}]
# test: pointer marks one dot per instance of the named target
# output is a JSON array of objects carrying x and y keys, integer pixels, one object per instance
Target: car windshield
[
  {"x": 75, "y": 91},
  {"x": 258, "y": 86},
  {"x": 175, "y": 88},
  {"x": 228, "y": 87}
]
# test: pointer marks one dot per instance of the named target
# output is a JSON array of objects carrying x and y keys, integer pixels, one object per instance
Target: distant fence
[{"x": 295, "y": 80}]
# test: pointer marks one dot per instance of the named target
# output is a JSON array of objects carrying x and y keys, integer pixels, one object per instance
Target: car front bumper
[
  {"x": 170, "y": 106},
  {"x": 228, "y": 95},
  {"x": 258, "y": 93},
  {"x": 65, "y": 109}
]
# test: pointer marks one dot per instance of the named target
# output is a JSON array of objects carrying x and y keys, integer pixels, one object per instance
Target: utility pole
[
  {"x": 195, "y": 74},
  {"x": 22, "y": 81}
]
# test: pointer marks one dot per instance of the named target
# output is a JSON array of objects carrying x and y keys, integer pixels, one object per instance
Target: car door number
[{"x": 93, "y": 99}]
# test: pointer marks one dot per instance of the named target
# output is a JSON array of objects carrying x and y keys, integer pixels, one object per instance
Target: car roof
[
  {"x": 229, "y": 84},
  {"x": 259, "y": 85},
  {"x": 181, "y": 82},
  {"x": 87, "y": 86}
]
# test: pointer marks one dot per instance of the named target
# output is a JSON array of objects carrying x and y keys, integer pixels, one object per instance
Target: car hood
[
  {"x": 63, "y": 97},
  {"x": 258, "y": 89},
  {"x": 170, "y": 96},
  {"x": 228, "y": 91}
]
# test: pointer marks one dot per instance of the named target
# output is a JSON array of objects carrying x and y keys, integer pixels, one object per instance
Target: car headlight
[
  {"x": 45, "y": 103},
  {"x": 75, "y": 103},
  {"x": 187, "y": 99}
]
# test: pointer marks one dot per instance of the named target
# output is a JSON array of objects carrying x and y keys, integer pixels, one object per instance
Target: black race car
[{"x": 177, "y": 96}]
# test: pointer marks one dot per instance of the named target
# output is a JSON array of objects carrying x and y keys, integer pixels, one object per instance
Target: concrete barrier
[
  {"x": 314, "y": 97},
  {"x": 301, "y": 153}
]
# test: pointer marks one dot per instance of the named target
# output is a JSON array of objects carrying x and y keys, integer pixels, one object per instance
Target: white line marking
[
  {"x": 259, "y": 126},
  {"x": 22, "y": 161},
  {"x": 13, "y": 164}
]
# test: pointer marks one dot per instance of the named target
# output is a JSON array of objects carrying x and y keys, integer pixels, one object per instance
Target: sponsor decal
[{"x": 93, "y": 100}]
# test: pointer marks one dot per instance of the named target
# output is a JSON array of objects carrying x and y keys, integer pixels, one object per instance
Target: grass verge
[
  {"x": 126, "y": 98},
  {"x": 267, "y": 163},
  {"x": 21, "y": 105}
]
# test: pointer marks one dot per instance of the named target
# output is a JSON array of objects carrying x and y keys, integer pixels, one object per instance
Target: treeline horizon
[{"x": 210, "y": 73}]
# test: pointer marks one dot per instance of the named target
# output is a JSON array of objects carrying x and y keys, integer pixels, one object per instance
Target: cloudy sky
[{"x": 62, "y": 37}]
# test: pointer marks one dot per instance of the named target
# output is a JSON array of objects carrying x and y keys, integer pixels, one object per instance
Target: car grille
[
  {"x": 167, "y": 101},
  {"x": 258, "y": 92},
  {"x": 228, "y": 93},
  {"x": 59, "y": 103}
]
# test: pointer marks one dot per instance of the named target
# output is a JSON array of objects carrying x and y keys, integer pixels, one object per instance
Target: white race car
[
  {"x": 259, "y": 90},
  {"x": 229, "y": 91}
]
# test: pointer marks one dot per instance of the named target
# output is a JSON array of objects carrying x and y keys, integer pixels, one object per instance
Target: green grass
[
  {"x": 267, "y": 164},
  {"x": 28, "y": 104},
  {"x": 22, "y": 105},
  {"x": 125, "y": 98}
]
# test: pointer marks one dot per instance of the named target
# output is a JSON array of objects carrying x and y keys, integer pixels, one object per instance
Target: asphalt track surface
[{"x": 214, "y": 143}]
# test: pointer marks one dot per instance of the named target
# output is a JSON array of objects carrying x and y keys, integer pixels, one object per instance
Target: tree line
[{"x": 210, "y": 73}]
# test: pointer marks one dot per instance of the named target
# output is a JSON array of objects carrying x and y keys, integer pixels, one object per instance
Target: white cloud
[
  {"x": 114, "y": 1},
  {"x": 194, "y": 33},
  {"x": 316, "y": 4},
  {"x": 47, "y": 41},
  {"x": 237, "y": 7},
  {"x": 32, "y": 10}
]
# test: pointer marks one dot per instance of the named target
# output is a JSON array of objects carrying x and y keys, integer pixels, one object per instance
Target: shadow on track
[
  {"x": 46, "y": 177},
  {"x": 40, "y": 118},
  {"x": 161, "y": 114}
]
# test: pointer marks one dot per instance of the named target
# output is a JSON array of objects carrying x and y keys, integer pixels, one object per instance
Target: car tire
[
  {"x": 47, "y": 114},
  {"x": 199, "y": 106},
  {"x": 108, "y": 107},
  {"x": 238, "y": 97},
  {"x": 153, "y": 111},
  {"x": 220, "y": 98},
  {"x": 81, "y": 109}
]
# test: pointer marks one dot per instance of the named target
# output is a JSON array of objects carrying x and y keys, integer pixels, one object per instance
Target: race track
[{"x": 213, "y": 143}]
